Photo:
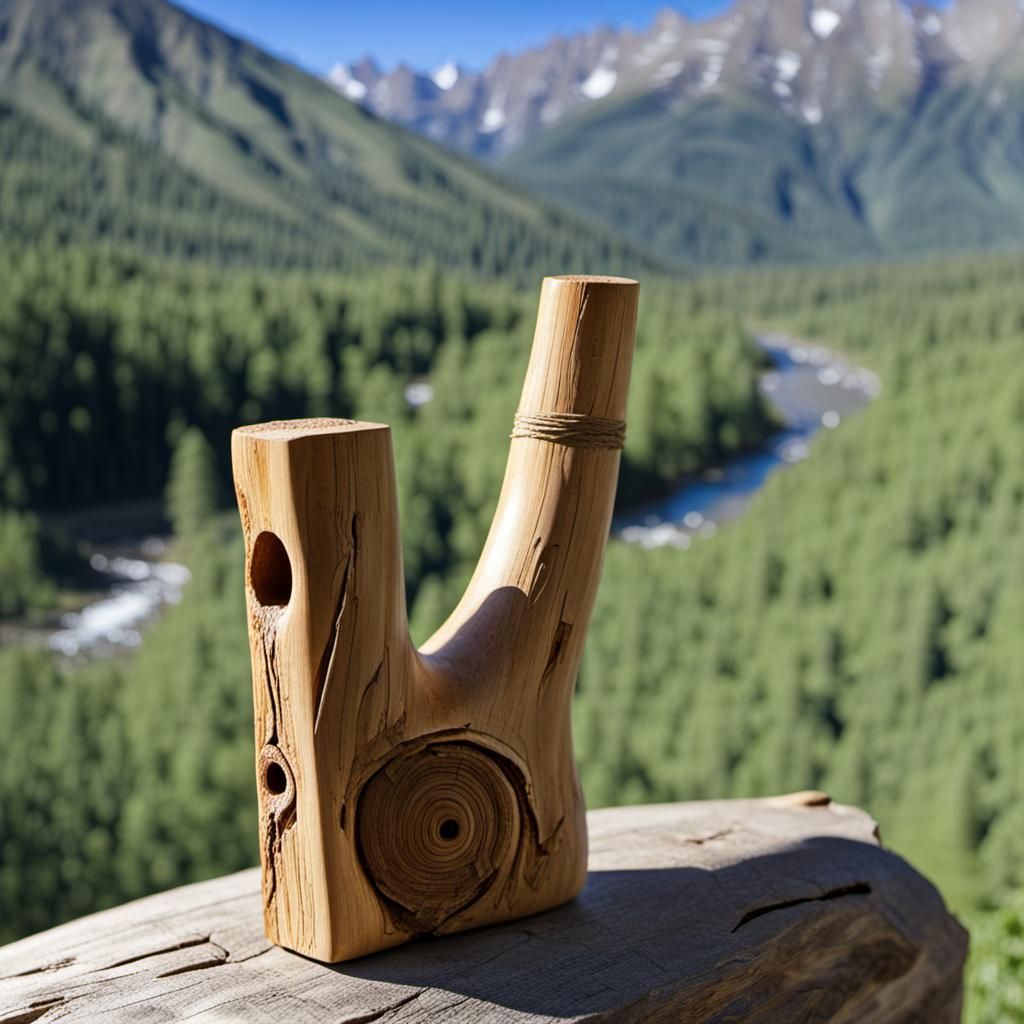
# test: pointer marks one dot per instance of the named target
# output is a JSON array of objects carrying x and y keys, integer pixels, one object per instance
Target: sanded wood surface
[
  {"x": 406, "y": 791},
  {"x": 783, "y": 910}
]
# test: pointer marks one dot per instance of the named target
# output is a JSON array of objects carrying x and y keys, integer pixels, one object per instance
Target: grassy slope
[{"x": 266, "y": 136}]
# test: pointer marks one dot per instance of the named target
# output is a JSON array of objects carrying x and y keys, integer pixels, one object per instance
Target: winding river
[
  {"x": 811, "y": 388},
  {"x": 140, "y": 585}
]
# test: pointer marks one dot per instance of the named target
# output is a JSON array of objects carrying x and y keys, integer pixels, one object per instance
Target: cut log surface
[{"x": 753, "y": 910}]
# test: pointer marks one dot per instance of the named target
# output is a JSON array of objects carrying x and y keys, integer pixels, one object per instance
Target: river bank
[{"x": 811, "y": 388}]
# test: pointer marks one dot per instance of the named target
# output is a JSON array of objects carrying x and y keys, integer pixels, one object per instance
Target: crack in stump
[{"x": 855, "y": 889}]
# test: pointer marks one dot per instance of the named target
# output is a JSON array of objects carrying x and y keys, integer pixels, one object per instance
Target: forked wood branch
[
  {"x": 406, "y": 791},
  {"x": 753, "y": 910}
]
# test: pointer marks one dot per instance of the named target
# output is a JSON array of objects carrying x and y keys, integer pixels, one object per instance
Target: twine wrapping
[{"x": 575, "y": 430}]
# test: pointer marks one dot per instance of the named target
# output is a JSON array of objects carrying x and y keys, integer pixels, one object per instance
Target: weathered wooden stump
[{"x": 756, "y": 910}]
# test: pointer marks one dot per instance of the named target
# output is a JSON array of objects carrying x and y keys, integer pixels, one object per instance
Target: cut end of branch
[
  {"x": 288, "y": 430},
  {"x": 594, "y": 279}
]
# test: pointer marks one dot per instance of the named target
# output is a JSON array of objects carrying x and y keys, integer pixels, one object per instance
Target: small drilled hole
[
  {"x": 449, "y": 829},
  {"x": 276, "y": 780},
  {"x": 270, "y": 571}
]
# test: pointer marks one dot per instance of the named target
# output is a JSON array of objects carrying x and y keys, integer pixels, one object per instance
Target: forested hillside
[
  {"x": 141, "y": 125},
  {"x": 859, "y": 630}
]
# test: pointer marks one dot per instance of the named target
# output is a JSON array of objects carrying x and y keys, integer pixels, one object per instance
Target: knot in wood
[
  {"x": 434, "y": 827},
  {"x": 277, "y": 783}
]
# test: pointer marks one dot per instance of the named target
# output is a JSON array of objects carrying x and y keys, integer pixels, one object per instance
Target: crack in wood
[
  {"x": 269, "y": 647},
  {"x": 374, "y": 1015},
  {"x": 562, "y": 633},
  {"x": 701, "y": 840},
  {"x": 200, "y": 940},
  {"x": 33, "y": 1012},
  {"x": 272, "y": 845},
  {"x": 374, "y": 679},
  {"x": 217, "y": 961},
  {"x": 325, "y": 670},
  {"x": 202, "y": 965},
  {"x": 57, "y": 965},
  {"x": 542, "y": 570},
  {"x": 854, "y": 889}
]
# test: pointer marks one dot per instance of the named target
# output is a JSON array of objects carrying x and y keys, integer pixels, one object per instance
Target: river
[
  {"x": 140, "y": 586},
  {"x": 811, "y": 388}
]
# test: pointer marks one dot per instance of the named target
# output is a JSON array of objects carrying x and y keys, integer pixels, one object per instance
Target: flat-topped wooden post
[{"x": 405, "y": 791}]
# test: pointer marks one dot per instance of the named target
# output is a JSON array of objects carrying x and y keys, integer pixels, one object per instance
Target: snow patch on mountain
[
  {"x": 600, "y": 82},
  {"x": 446, "y": 76},
  {"x": 712, "y": 72},
  {"x": 348, "y": 86},
  {"x": 824, "y": 22},
  {"x": 493, "y": 120},
  {"x": 787, "y": 65}
]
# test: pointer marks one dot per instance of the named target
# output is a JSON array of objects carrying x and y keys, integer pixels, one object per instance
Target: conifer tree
[{"x": 193, "y": 487}]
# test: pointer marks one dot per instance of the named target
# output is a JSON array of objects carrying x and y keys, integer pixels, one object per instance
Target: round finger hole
[{"x": 270, "y": 571}]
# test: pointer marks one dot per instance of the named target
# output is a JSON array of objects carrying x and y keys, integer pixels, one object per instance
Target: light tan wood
[
  {"x": 404, "y": 792},
  {"x": 731, "y": 910}
]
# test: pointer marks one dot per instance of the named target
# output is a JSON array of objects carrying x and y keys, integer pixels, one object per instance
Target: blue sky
[{"x": 318, "y": 33}]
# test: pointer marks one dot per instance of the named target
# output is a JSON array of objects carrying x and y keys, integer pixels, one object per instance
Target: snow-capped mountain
[{"x": 810, "y": 58}]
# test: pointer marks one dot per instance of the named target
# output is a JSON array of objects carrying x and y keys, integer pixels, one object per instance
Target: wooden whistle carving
[{"x": 403, "y": 791}]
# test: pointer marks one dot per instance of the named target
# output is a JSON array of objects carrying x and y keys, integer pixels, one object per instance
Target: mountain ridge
[
  {"x": 812, "y": 56},
  {"x": 789, "y": 129}
]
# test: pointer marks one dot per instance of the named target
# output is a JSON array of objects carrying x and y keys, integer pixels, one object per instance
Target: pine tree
[{"x": 193, "y": 488}]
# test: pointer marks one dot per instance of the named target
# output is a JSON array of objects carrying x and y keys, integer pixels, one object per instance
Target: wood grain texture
[
  {"x": 761, "y": 911},
  {"x": 408, "y": 791}
]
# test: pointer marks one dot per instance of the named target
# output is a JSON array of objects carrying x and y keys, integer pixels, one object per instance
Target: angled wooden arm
[{"x": 405, "y": 792}]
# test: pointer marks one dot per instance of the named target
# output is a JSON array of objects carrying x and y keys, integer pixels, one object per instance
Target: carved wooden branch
[{"x": 404, "y": 792}]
